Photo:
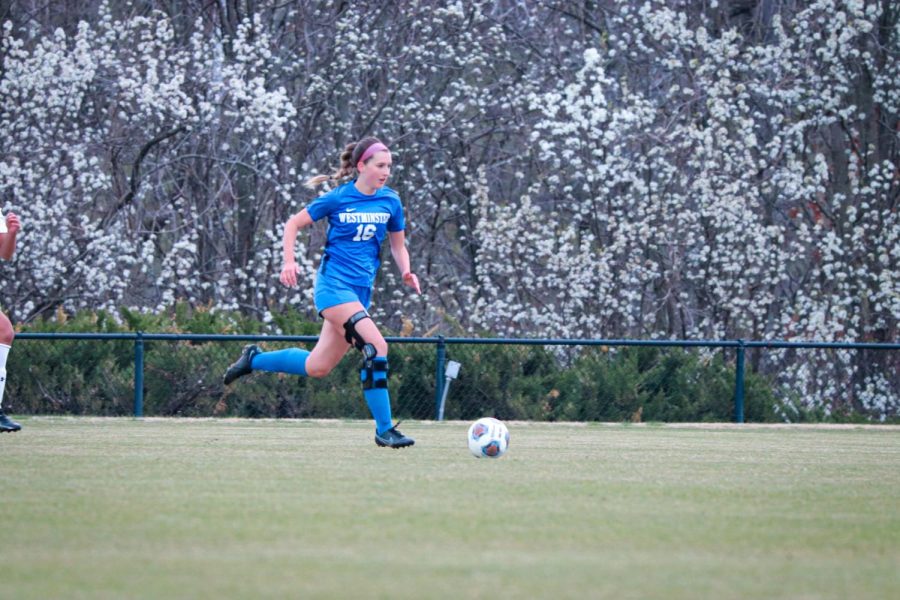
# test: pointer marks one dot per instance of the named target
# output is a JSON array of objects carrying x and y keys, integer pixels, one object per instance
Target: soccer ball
[{"x": 488, "y": 438}]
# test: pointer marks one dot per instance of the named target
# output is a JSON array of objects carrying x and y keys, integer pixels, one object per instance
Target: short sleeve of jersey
[
  {"x": 397, "y": 222},
  {"x": 324, "y": 205}
]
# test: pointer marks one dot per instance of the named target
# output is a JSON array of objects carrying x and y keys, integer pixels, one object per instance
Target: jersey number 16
[{"x": 364, "y": 232}]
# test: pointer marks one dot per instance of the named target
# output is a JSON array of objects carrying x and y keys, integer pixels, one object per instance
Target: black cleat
[
  {"x": 392, "y": 438},
  {"x": 241, "y": 366},
  {"x": 7, "y": 424}
]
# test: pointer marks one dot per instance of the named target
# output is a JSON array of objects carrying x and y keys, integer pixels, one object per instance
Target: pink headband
[{"x": 376, "y": 147}]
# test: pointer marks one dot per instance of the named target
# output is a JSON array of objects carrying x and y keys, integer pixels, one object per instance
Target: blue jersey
[{"x": 357, "y": 226}]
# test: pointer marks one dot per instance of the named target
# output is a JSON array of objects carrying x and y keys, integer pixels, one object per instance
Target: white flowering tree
[
  {"x": 722, "y": 184},
  {"x": 137, "y": 163},
  {"x": 615, "y": 168}
]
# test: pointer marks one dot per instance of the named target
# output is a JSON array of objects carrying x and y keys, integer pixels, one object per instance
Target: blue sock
[
  {"x": 291, "y": 360},
  {"x": 379, "y": 400}
]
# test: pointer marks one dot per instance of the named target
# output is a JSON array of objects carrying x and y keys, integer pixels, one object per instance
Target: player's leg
[
  {"x": 289, "y": 360},
  {"x": 328, "y": 352},
  {"x": 7, "y": 333},
  {"x": 360, "y": 330}
]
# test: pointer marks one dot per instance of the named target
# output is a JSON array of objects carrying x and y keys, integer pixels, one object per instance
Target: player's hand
[
  {"x": 12, "y": 223},
  {"x": 289, "y": 273},
  {"x": 410, "y": 279}
]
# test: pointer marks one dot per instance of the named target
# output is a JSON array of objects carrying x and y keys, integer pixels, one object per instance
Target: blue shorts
[{"x": 331, "y": 292}]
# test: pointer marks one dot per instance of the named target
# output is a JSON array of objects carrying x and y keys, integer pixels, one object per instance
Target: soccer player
[
  {"x": 360, "y": 213},
  {"x": 10, "y": 227}
]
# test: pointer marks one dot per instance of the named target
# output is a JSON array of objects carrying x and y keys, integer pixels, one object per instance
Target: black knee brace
[
  {"x": 350, "y": 333},
  {"x": 371, "y": 372}
]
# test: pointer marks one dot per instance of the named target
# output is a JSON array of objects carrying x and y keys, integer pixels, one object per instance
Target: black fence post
[
  {"x": 439, "y": 375},
  {"x": 139, "y": 375},
  {"x": 739, "y": 384}
]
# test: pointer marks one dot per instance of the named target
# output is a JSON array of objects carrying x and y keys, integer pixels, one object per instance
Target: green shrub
[
  {"x": 72, "y": 376},
  {"x": 507, "y": 381},
  {"x": 632, "y": 384}
]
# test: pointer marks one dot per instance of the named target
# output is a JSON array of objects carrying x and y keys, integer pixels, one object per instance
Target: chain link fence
[{"x": 580, "y": 380}]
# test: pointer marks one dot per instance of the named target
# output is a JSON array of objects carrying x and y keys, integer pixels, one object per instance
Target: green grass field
[{"x": 170, "y": 508}]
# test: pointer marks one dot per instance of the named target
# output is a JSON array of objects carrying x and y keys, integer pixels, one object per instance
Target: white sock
[{"x": 4, "y": 352}]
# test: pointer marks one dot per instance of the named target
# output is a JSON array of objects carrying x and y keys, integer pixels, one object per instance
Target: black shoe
[
  {"x": 242, "y": 366},
  {"x": 392, "y": 438},
  {"x": 7, "y": 424}
]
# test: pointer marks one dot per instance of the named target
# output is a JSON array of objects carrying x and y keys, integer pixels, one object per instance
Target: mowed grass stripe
[{"x": 111, "y": 508}]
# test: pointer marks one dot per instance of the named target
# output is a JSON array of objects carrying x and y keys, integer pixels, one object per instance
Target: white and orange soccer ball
[{"x": 488, "y": 438}]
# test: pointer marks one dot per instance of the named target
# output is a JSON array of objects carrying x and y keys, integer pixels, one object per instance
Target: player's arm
[
  {"x": 294, "y": 224},
  {"x": 8, "y": 239},
  {"x": 401, "y": 257}
]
